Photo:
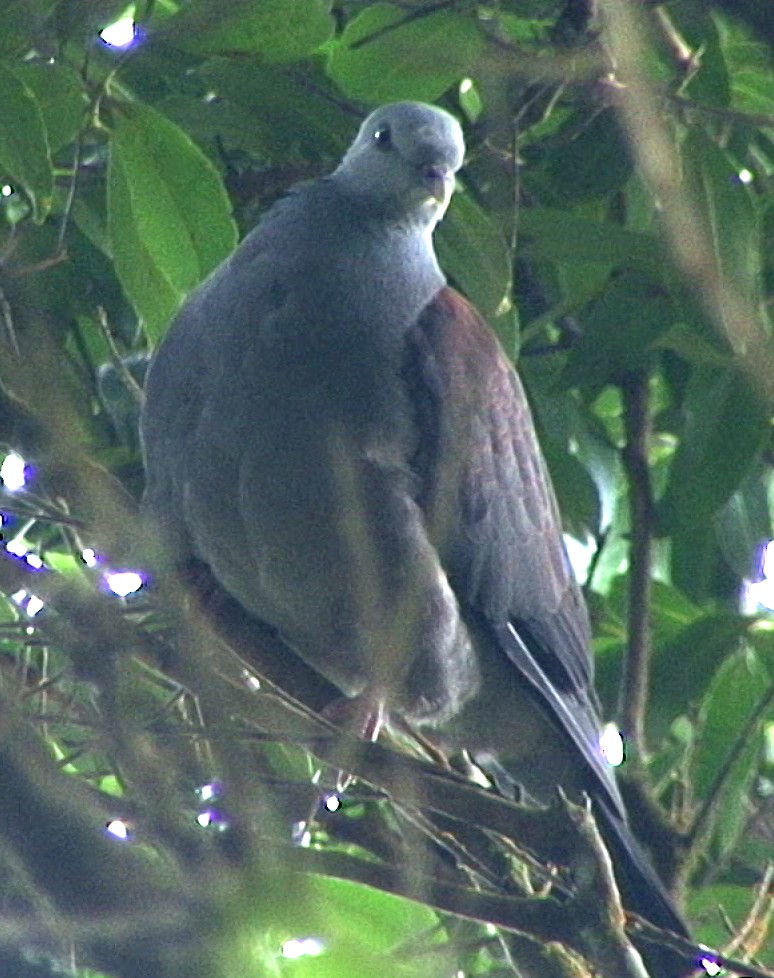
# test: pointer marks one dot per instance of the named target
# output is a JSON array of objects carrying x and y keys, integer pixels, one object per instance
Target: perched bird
[{"x": 338, "y": 435}]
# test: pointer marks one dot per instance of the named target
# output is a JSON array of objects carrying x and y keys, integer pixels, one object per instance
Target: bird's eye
[{"x": 383, "y": 137}]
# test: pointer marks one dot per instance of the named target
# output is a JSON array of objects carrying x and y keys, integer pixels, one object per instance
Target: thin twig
[
  {"x": 120, "y": 367},
  {"x": 751, "y": 933},
  {"x": 633, "y": 696}
]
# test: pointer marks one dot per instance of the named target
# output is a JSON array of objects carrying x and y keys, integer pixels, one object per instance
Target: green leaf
[
  {"x": 725, "y": 426},
  {"x": 364, "y": 927},
  {"x": 694, "y": 346},
  {"x": 278, "y": 30},
  {"x": 169, "y": 216},
  {"x": 744, "y": 523},
  {"x": 709, "y": 85},
  {"x": 592, "y": 165},
  {"x": 576, "y": 491},
  {"x": 61, "y": 97},
  {"x": 24, "y": 150},
  {"x": 736, "y": 689},
  {"x": 703, "y": 905},
  {"x": 283, "y": 118},
  {"x": 150, "y": 291},
  {"x": 562, "y": 236},
  {"x": 473, "y": 252},
  {"x": 725, "y": 206},
  {"x": 683, "y": 665},
  {"x": 77, "y": 21},
  {"x": 749, "y": 65},
  {"x": 20, "y": 21},
  {"x": 618, "y": 331},
  {"x": 384, "y": 54}
]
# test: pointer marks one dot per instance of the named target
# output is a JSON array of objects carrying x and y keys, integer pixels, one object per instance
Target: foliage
[{"x": 614, "y": 220}]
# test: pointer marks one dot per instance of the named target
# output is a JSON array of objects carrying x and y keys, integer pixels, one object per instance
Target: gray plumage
[{"x": 338, "y": 435}]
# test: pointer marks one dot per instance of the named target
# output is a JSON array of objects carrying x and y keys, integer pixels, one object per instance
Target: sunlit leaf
[{"x": 168, "y": 215}]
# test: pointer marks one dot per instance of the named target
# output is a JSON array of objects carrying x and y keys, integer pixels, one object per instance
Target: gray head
[{"x": 404, "y": 160}]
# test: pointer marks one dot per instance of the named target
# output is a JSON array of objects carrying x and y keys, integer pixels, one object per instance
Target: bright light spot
[
  {"x": 212, "y": 818},
  {"x": 17, "y": 547},
  {"x": 580, "y": 554},
  {"x": 711, "y": 966},
  {"x": 124, "y": 583},
  {"x": 12, "y": 472},
  {"x": 120, "y": 34},
  {"x": 253, "y": 682},
  {"x": 332, "y": 803},
  {"x": 6, "y": 190},
  {"x": 746, "y": 176},
  {"x": 466, "y": 85},
  {"x": 760, "y": 594},
  {"x": 34, "y": 560},
  {"x": 34, "y": 605},
  {"x": 18, "y": 597},
  {"x": 89, "y": 557},
  {"x": 118, "y": 829},
  {"x": 767, "y": 560},
  {"x": 209, "y": 791},
  {"x": 301, "y": 835},
  {"x": 302, "y": 947},
  {"x": 611, "y": 744},
  {"x": 768, "y": 745}
]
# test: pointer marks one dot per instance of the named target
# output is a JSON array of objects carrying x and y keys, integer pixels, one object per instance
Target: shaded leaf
[
  {"x": 576, "y": 491},
  {"x": 283, "y": 117},
  {"x": 727, "y": 207},
  {"x": 473, "y": 252},
  {"x": 682, "y": 667},
  {"x": 24, "y": 150},
  {"x": 744, "y": 524},
  {"x": 61, "y": 98},
  {"x": 563, "y": 236},
  {"x": 278, "y": 30},
  {"x": 419, "y": 59},
  {"x": 710, "y": 83},
  {"x": 618, "y": 331},
  {"x": 592, "y": 165},
  {"x": 749, "y": 62},
  {"x": 725, "y": 425},
  {"x": 736, "y": 689},
  {"x": 20, "y": 22}
]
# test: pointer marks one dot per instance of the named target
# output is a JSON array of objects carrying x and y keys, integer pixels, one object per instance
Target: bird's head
[{"x": 403, "y": 162}]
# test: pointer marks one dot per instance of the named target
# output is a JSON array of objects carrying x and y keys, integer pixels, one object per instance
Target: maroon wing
[{"x": 489, "y": 499}]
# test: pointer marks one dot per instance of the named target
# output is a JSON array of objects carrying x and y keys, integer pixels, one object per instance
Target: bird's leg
[{"x": 364, "y": 716}]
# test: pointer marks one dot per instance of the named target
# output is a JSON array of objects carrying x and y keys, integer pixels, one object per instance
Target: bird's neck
[{"x": 373, "y": 268}]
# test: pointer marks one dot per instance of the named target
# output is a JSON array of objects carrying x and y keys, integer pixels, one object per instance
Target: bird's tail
[{"x": 643, "y": 893}]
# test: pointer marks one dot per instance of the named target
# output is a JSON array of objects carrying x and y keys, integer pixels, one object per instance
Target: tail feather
[{"x": 643, "y": 893}]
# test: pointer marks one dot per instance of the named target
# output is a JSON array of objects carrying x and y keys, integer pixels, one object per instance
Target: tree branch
[{"x": 633, "y": 695}]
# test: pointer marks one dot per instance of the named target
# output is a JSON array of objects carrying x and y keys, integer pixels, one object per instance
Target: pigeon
[{"x": 338, "y": 435}]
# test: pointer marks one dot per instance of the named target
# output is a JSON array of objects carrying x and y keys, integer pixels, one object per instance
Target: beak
[{"x": 440, "y": 182}]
